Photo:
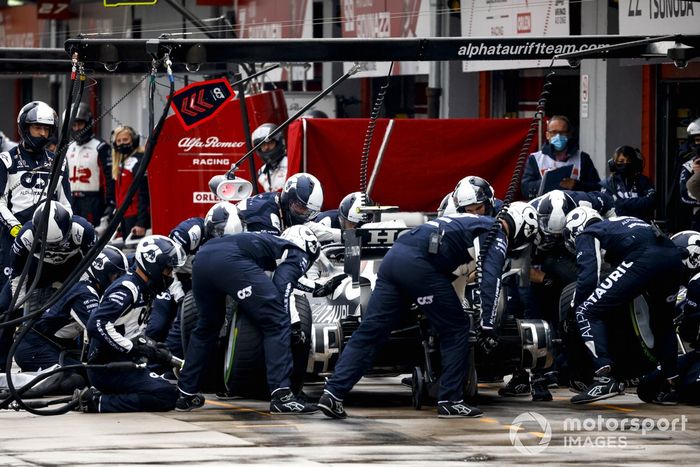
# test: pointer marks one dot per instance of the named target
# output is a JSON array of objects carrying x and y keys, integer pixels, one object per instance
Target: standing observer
[{"x": 126, "y": 158}]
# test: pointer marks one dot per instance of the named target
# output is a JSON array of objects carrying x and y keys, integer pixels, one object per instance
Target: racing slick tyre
[
  {"x": 244, "y": 366},
  {"x": 188, "y": 318},
  {"x": 629, "y": 338},
  {"x": 418, "y": 392},
  {"x": 471, "y": 387}
]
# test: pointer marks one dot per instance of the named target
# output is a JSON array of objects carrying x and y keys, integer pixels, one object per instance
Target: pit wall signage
[
  {"x": 371, "y": 19},
  {"x": 660, "y": 16},
  {"x": 510, "y": 19}
]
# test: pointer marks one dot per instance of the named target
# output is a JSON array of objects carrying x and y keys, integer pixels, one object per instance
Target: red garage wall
[{"x": 424, "y": 159}]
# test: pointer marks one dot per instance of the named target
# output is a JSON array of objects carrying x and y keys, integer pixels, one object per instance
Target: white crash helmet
[
  {"x": 576, "y": 221},
  {"x": 447, "y": 206},
  {"x": 552, "y": 209},
  {"x": 472, "y": 190},
  {"x": 689, "y": 242},
  {"x": 522, "y": 224},
  {"x": 694, "y": 128},
  {"x": 304, "y": 238},
  {"x": 59, "y": 222},
  {"x": 301, "y": 198},
  {"x": 349, "y": 208},
  {"x": 223, "y": 219}
]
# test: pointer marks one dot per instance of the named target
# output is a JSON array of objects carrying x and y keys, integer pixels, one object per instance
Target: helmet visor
[{"x": 299, "y": 210}]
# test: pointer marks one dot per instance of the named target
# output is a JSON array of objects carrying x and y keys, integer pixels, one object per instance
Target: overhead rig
[{"x": 196, "y": 52}]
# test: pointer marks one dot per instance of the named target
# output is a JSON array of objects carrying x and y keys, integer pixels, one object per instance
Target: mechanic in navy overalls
[
  {"x": 25, "y": 171},
  {"x": 62, "y": 327},
  {"x": 68, "y": 239},
  {"x": 301, "y": 200},
  {"x": 190, "y": 234},
  {"x": 419, "y": 268},
  {"x": 653, "y": 387},
  {"x": 235, "y": 265},
  {"x": 116, "y": 327},
  {"x": 644, "y": 261}
]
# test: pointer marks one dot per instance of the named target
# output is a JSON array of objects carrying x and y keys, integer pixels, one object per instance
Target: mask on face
[
  {"x": 621, "y": 169},
  {"x": 559, "y": 142},
  {"x": 35, "y": 143},
  {"x": 125, "y": 149}
]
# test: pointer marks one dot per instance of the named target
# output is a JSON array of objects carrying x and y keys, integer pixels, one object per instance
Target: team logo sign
[{"x": 200, "y": 102}]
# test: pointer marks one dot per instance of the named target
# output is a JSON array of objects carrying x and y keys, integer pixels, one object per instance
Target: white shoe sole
[{"x": 598, "y": 398}]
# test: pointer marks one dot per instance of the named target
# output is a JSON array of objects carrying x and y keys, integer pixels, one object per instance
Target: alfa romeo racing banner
[{"x": 423, "y": 162}]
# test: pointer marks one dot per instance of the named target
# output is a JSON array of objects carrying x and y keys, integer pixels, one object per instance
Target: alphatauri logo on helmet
[
  {"x": 99, "y": 262},
  {"x": 150, "y": 252}
]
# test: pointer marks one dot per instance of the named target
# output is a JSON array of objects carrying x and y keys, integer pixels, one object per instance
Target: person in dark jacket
[
  {"x": 235, "y": 265},
  {"x": 644, "y": 261},
  {"x": 419, "y": 269},
  {"x": 561, "y": 149},
  {"x": 115, "y": 329},
  {"x": 634, "y": 194}
]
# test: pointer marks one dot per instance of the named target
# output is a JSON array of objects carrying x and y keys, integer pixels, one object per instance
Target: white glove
[{"x": 324, "y": 233}]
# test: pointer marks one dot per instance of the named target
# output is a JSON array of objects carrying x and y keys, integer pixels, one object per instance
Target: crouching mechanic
[
  {"x": 115, "y": 329},
  {"x": 68, "y": 239},
  {"x": 644, "y": 261},
  {"x": 62, "y": 326},
  {"x": 190, "y": 234},
  {"x": 653, "y": 387},
  {"x": 235, "y": 265},
  {"x": 419, "y": 269}
]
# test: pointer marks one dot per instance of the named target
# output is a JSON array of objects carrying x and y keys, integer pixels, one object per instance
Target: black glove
[
  {"x": 143, "y": 347},
  {"x": 329, "y": 286},
  {"x": 487, "y": 340},
  {"x": 164, "y": 356}
]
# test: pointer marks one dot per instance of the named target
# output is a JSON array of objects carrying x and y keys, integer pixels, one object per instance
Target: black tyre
[
  {"x": 189, "y": 314},
  {"x": 417, "y": 388},
  {"x": 471, "y": 386},
  {"x": 244, "y": 367},
  {"x": 631, "y": 356}
]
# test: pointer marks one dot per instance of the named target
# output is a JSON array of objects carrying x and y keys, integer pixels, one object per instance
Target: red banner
[
  {"x": 185, "y": 160},
  {"x": 274, "y": 19},
  {"x": 53, "y": 9},
  {"x": 19, "y": 27},
  {"x": 423, "y": 162}
]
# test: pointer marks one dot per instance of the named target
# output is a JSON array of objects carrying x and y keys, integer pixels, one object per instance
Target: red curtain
[{"x": 423, "y": 161}]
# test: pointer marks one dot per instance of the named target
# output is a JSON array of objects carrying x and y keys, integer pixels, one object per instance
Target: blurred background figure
[
  {"x": 634, "y": 194},
  {"x": 273, "y": 153},
  {"x": 126, "y": 157}
]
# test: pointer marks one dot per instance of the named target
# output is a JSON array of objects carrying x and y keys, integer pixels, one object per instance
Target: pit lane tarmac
[{"x": 383, "y": 429}]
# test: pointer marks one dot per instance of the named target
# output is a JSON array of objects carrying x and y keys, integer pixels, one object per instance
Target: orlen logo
[
  {"x": 212, "y": 142},
  {"x": 524, "y": 22}
]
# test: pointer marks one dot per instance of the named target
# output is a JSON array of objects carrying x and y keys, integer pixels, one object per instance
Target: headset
[
  {"x": 135, "y": 137},
  {"x": 634, "y": 156}
]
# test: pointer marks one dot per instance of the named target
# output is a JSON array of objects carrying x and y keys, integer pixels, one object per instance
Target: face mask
[
  {"x": 35, "y": 143},
  {"x": 559, "y": 142},
  {"x": 621, "y": 169},
  {"x": 125, "y": 149}
]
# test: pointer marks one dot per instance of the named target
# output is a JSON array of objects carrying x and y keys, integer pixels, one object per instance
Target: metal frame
[{"x": 198, "y": 51}]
